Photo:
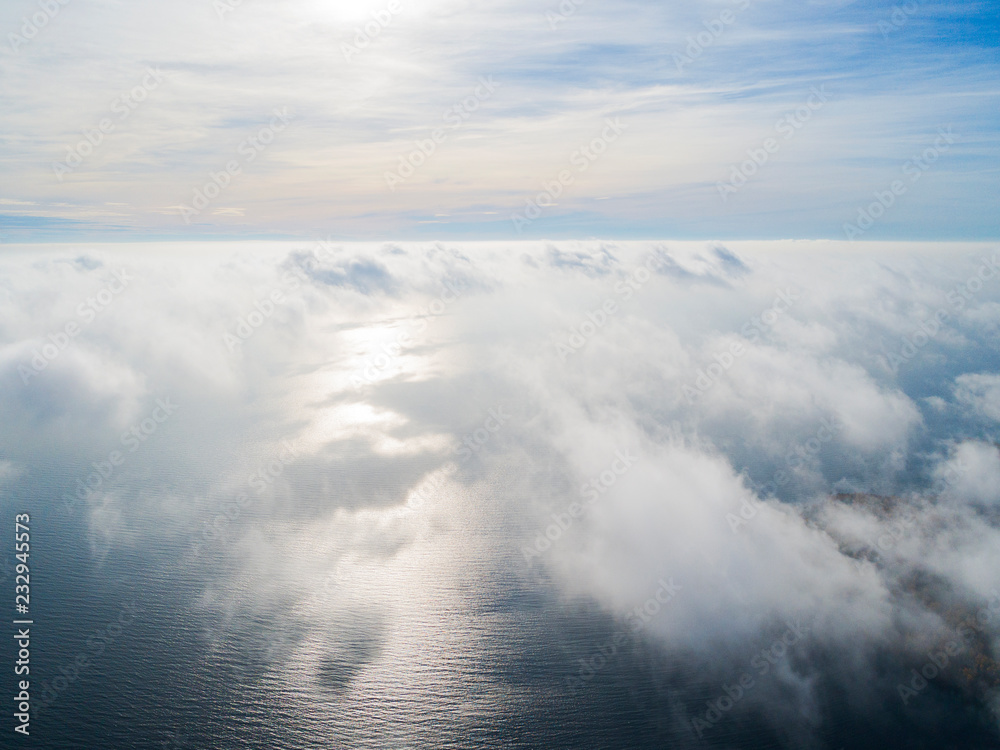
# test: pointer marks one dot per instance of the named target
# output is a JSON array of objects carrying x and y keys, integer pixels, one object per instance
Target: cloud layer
[{"x": 371, "y": 436}]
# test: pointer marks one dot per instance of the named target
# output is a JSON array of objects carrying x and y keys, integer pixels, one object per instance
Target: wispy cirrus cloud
[{"x": 687, "y": 124}]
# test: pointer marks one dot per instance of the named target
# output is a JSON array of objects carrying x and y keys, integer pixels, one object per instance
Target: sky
[{"x": 421, "y": 119}]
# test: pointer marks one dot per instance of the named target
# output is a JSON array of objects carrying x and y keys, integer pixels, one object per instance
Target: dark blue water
[{"x": 478, "y": 659}]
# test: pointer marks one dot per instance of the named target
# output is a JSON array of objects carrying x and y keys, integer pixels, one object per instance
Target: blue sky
[{"x": 893, "y": 76}]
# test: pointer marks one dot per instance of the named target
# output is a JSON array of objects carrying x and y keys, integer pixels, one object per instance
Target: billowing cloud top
[
  {"x": 415, "y": 453},
  {"x": 415, "y": 118}
]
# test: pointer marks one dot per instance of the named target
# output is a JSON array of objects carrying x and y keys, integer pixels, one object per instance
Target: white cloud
[
  {"x": 378, "y": 492},
  {"x": 980, "y": 392},
  {"x": 972, "y": 472}
]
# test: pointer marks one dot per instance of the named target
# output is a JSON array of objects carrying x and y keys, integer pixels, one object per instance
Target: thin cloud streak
[{"x": 223, "y": 76}]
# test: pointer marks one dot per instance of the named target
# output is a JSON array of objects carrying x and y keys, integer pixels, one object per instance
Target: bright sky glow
[{"x": 698, "y": 88}]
